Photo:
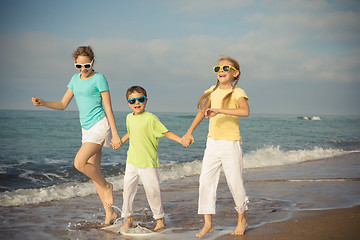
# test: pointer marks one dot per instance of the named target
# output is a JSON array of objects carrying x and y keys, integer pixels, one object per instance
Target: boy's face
[{"x": 137, "y": 107}]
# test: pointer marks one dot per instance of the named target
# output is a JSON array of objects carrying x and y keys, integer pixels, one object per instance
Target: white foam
[
  {"x": 167, "y": 234},
  {"x": 310, "y": 118},
  {"x": 265, "y": 157},
  {"x": 315, "y": 118},
  {"x": 274, "y": 156}
]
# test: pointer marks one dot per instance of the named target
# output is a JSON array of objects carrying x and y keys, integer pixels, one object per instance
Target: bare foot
[
  {"x": 110, "y": 217},
  {"x": 160, "y": 224},
  {"x": 108, "y": 195},
  {"x": 205, "y": 230},
  {"x": 240, "y": 228},
  {"x": 128, "y": 223}
]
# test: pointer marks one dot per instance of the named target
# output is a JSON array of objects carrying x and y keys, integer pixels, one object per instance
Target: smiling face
[
  {"x": 85, "y": 73},
  {"x": 226, "y": 78},
  {"x": 138, "y": 107}
]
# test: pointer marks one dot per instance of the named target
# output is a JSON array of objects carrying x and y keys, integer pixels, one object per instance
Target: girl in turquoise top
[{"x": 97, "y": 120}]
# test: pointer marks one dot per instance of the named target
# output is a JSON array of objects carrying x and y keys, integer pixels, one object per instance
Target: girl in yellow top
[{"x": 223, "y": 104}]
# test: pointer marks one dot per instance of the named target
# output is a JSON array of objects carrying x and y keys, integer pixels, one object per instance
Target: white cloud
[{"x": 290, "y": 41}]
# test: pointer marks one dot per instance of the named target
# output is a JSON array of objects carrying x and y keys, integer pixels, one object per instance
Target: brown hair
[
  {"x": 135, "y": 89},
  {"x": 83, "y": 51},
  {"x": 226, "y": 99}
]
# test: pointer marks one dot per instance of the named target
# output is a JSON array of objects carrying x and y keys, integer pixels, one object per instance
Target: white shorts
[{"x": 99, "y": 133}]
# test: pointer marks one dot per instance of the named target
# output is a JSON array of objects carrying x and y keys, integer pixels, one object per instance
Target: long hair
[{"x": 226, "y": 99}]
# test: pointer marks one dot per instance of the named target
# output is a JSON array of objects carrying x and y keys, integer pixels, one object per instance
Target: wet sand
[
  {"x": 284, "y": 204},
  {"x": 310, "y": 225}
]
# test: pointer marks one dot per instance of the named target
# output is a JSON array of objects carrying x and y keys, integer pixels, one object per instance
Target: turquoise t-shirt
[
  {"x": 88, "y": 98},
  {"x": 144, "y": 132}
]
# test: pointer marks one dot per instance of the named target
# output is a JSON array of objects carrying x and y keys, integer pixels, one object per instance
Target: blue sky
[{"x": 296, "y": 56}]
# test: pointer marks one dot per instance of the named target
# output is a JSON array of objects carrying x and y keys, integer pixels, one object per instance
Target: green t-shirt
[
  {"x": 88, "y": 98},
  {"x": 144, "y": 132}
]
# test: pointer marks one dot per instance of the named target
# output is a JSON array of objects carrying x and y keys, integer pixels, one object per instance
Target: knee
[{"x": 80, "y": 167}]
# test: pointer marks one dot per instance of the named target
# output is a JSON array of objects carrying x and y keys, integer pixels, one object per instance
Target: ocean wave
[
  {"x": 274, "y": 156},
  {"x": 265, "y": 157},
  {"x": 317, "y": 118}
]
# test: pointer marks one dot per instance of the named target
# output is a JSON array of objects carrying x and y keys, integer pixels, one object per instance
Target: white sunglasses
[{"x": 86, "y": 65}]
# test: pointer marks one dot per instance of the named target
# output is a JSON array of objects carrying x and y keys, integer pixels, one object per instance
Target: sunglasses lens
[
  {"x": 226, "y": 68},
  {"x": 142, "y": 99},
  {"x": 216, "y": 69},
  {"x": 87, "y": 66},
  {"x": 132, "y": 101},
  {"x": 78, "y": 66}
]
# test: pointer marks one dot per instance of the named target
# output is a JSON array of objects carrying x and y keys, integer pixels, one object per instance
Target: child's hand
[
  {"x": 186, "y": 140},
  {"x": 211, "y": 112},
  {"x": 116, "y": 143}
]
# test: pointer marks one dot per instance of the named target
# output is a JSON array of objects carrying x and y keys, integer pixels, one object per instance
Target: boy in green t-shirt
[{"x": 144, "y": 130}]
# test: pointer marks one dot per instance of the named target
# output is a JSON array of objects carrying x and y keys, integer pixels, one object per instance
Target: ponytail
[{"x": 205, "y": 97}]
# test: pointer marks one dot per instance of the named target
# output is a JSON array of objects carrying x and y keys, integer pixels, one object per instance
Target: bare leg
[
  {"x": 128, "y": 223},
  {"x": 241, "y": 226},
  {"x": 208, "y": 227},
  {"x": 92, "y": 170},
  {"x": 160, "y": 224},
  {"x": 110, "y": 213}
]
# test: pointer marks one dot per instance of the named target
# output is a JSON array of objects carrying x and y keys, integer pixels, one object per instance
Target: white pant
[
  {"x": 228, "y": 154},
  {"x": 150, "y": 180}
]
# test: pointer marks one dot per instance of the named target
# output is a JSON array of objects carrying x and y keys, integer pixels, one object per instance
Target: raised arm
[
  {"x": 115, "y": 141},
  {"x": 59, "y": 105}
]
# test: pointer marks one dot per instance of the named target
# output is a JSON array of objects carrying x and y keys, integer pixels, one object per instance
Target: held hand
[
  {"x": 116, "y": 143},
  {"x": 211, "y": 112},
  {"x": 37, "y": 101},
  {"x": 186, "y": 140}
]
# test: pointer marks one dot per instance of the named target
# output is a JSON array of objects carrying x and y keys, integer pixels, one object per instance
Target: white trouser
[
  {"x": 151, "y": 182},
  {"x": 228, "y": 154}
]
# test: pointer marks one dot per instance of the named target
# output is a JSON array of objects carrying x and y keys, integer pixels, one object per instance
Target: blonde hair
[
  {"x": 83, "y": 51},
  {"x": 226, "y": 99}
]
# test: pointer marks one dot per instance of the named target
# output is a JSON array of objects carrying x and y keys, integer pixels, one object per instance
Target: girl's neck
[{"x": 225, "y": 86}]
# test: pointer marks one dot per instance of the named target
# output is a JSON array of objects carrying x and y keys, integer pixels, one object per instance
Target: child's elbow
[{"x": 247, "y": 113}]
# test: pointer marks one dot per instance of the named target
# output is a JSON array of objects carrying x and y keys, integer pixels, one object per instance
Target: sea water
[{"x": 37, "y": 149}]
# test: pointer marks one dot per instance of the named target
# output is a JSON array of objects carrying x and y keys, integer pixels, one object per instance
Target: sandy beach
[
  {"x": 334, "y": 224},
  {"x": 286, "y": 202}
]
